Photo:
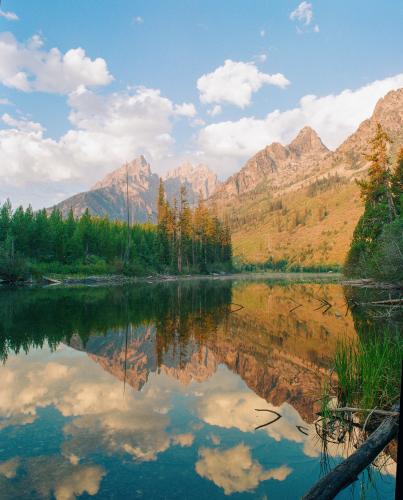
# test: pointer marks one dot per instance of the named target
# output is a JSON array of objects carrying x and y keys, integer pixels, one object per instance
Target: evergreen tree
[{"x": 381, "y": 192}]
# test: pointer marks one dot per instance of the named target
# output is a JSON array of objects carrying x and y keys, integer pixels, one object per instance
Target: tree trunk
[{"x": 346, "y": 472}]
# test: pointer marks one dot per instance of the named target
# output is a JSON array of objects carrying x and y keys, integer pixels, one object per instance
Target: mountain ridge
[
  {"x": 108, "y": 195},
  {"x": 304, "y": 209}
]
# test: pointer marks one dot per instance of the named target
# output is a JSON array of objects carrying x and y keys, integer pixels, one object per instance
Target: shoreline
[
  {"x": 121, "y": 279},
  {"x": 115, "y": 280}
]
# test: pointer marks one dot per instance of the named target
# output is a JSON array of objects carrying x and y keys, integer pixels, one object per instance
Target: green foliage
[
  {"x": 31, "y": 318},
  {"x": 282, "y": 265},
  {"x": 369, "y": 371},
  {"x": 324, "y": 184},
  {"x": 184, "y": 240},
  {"x": 377, "y": 245},
  {"x": 191, "y": 240}
]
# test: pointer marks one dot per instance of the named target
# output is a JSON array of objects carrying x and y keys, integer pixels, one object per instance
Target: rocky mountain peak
[
  {"x": 138, "y": 171},
  {"x": 389, "y": 113},
  {"x": 198, "y": 177},
  {"x": 307, "y": 142}
]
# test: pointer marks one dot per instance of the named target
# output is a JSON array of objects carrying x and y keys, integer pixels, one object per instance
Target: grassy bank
[{"x": 369, "y": 371}]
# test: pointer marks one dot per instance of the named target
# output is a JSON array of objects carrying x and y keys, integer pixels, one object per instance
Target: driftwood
[
  {"x": 348, "y": 409},
  {"x": 52, "y": 281},
  {"x": 389, "y": 302},
  {"x": 347, "y": 472}
]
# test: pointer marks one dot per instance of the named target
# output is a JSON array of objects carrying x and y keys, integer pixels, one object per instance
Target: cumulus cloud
[
  {"x": 302, "y": 13},
  {"x": 234, "y": 470},
  {"x": 235, "y": 82},
  {"x": 184, "y": 440},
  {"x": 25, "y": 67},
  {"x": 101, "y": 421},
  {"x": 10, "y": 16},
  {"x": 50, "y": 476},
  {"x": 106, "y": 131},
  {"x": 334, "y": 117},
  {"x": 185, "y": 109}
]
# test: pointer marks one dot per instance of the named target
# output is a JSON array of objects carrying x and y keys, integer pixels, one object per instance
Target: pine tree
[
  {"x": 380, "y": 207},
  {"x": 397, "y": 183}
]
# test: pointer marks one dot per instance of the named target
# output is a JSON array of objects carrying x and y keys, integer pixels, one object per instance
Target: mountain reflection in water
[{"x": 151, "y": 391}]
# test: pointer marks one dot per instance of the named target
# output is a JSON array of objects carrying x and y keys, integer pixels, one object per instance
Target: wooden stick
[
  {"x": 347, "y": 472},
  {"x": 378, "y": 412}
]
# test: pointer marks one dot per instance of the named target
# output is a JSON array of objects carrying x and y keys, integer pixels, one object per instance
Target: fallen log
[
  {"x": 349, "y": 409},
  {"x": 52, "y": 281},
  {"x": 347, "y": 472},
  {"x": 389, "y": 302}
]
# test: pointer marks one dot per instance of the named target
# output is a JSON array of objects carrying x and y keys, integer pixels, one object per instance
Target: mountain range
[
  {"x": 301, "y": 202},
  {"x": 298, "y": 202},
  {"x": 108, "y": 196}
]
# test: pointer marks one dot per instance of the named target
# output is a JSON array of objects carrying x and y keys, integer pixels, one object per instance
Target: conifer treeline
[
  {"x": 377, "y": 245},
  {"x": 184, "y": 240},
  {"x": 190, "y": 239}
]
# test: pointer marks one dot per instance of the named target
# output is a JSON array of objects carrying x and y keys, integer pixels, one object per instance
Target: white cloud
[
  {"x": 316, "y": 28},
  {"x": 334, "y": 117},
  {"x": 24, "y": 125},
  {"x": 185, "y": 440},
  {"x": 235, "y": 82},
  {"x": 10, "y": 16},
  {"x": 185, "y": 109},
  {"x": 234, "y": 470},
  {"x": 106, "y": 131},
  {"x": 262, "y": 33},
  {"x": 5, "y": 102},
  {"x": 27, "y": 68},
  {"x": 215, "y": 110},
  {"x": 303, "y": 13},
  {"x": 50, "y": 476},
  {"x": 138, "y": 20}
]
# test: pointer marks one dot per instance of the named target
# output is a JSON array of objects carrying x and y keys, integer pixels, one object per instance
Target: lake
[{"x": 158, "y": 390}]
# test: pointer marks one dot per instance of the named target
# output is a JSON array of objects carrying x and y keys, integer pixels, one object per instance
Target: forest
[
  {"x": 377, "y": 246},
  {"x": 185, "y": 240}
]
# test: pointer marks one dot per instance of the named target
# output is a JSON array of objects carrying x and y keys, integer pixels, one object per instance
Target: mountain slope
[
  {"x": 301, "y": 202},
  {"x": 108, "y": 196}
]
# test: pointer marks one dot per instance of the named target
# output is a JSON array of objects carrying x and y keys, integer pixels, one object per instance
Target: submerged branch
[{"x": 347, "y": 472}]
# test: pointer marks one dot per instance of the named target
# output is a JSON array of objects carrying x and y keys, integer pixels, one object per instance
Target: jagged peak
[
  {"x": 136, "y": 168},
  {"x": 187, "y": 169},
  {"x": 307, "y": 141}
]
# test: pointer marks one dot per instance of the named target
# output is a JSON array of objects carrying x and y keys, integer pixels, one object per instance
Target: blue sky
[{"x": 277, "y": 52}]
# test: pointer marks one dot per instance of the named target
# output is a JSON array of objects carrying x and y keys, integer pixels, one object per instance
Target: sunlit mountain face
[{"x": 162, "y": 391}]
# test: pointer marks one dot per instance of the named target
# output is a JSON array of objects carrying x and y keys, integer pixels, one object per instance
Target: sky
[{"x": 86, "y": 85}]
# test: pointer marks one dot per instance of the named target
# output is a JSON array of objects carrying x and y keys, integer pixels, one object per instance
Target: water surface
[{"x": 151, "y": 390}]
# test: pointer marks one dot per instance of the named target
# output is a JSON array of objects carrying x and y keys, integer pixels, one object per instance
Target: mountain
[
  {"x": 276, "y": 165},
  {"x": 300, "y": 202},
  {"x": 108, "y": 196},
  {"x": 197, "y": 179},
  {"x": 281, "y": 355}
]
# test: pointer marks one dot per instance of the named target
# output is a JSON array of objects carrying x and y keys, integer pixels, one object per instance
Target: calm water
[{"x": 151, "y": 391}]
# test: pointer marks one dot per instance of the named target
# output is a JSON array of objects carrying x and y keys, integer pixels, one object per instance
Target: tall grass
[{"x": 369, "y": 371}]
